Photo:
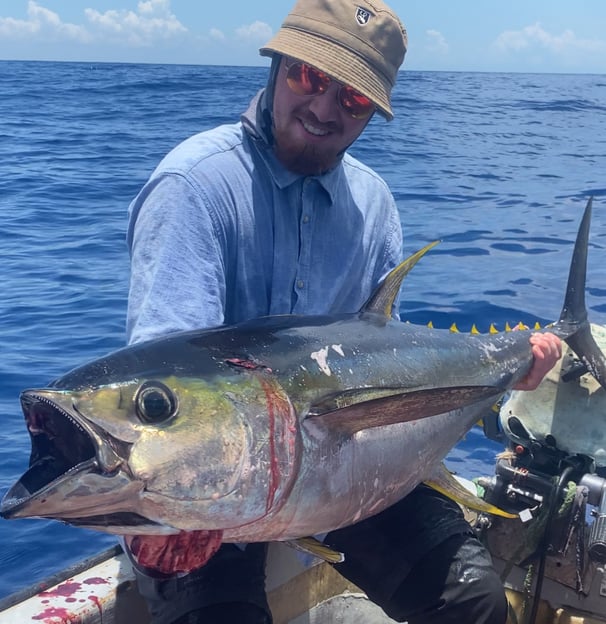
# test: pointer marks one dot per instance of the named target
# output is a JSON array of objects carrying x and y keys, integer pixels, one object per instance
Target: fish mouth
[{"x": 63, "y": 446}]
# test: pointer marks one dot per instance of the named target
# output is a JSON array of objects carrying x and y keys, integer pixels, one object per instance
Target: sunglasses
[{"x": 303, "y": 79}]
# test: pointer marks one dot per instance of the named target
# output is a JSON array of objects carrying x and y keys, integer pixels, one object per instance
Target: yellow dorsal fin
[{"x": 382, "y": 300}]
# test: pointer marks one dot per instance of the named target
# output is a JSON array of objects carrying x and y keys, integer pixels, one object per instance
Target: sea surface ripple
[{"x": 496, "y": 166}]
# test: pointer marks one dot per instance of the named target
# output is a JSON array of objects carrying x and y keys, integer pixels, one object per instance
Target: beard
[{"x": 303, "y": 158}]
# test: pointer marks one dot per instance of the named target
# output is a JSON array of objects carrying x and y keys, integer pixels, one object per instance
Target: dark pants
[
  {"x": 229, "y": 589},
  {"x": 421, "y": 563},
  {"x": 418, "y": 560}
]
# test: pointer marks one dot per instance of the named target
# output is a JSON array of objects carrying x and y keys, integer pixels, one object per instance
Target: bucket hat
[{"x": 359, "y": 43}]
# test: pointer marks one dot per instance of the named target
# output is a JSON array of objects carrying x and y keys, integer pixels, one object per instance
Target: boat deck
[{"x": 103, "y": 590}]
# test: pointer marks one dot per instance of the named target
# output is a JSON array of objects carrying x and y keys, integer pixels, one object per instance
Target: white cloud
[
  {"x": 149, "y": 32},
  {"x": 255, "y": 32},
  {"x": 150, "y": 7},
  {"x": 436, "y": 42},
  {"x": 42, "y": 24},
  {"x": 217, "y": 35},
  {"x": 536, "y": 36},
  {"x": 153, "y": 20}
]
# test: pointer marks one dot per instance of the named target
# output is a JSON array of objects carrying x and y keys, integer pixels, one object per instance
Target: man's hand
[{"x": 547, "y": 350}]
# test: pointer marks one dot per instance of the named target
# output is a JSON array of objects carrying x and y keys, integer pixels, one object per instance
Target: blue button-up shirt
[{"x": 222, "y": 233}]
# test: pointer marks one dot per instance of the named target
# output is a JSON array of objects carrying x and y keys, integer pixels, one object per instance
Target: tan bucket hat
[{"x": 359, "y": 43}]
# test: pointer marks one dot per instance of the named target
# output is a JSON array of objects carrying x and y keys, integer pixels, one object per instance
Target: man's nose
[{"x": 326, "y": 106}]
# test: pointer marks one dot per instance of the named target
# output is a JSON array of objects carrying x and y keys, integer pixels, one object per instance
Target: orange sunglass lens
[
  {"x": 306, "y": 80},
  {"x": 356, "y": 104}
]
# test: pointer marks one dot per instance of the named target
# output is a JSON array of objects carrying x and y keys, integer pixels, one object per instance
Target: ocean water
[{"x": 496, "y": 166}]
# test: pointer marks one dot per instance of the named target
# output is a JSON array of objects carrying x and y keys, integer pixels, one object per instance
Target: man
[{"x": 270, "y": 216}]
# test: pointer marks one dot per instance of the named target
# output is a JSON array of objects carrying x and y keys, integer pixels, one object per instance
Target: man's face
[{"x": 311, "y": 131}]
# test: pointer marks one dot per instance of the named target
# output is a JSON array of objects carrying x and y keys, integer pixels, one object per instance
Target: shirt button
[
  {"x": 306, "y": 219},
  {"x": 300, "y": 283}
]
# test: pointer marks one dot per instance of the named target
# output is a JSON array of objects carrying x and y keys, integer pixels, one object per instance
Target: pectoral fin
[
  {"x": 445, "y": 483},
  {"x": 357, "y": 410}
]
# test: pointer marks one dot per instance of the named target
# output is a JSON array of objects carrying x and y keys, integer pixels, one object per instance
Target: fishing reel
[
  {"x": 531, "y": 479},
  {"x": 554, "y": 463},
  {"x": 550, "y": 489}
]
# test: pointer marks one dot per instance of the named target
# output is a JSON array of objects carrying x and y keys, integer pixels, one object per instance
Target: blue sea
[{"x": 496, "y": 166}]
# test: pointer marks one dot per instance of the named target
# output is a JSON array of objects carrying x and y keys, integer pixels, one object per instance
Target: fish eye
[{"x": 155, "y": 403}]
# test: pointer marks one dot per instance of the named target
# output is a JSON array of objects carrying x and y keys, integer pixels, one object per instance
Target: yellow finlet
[{"x": 492, "y": 329}]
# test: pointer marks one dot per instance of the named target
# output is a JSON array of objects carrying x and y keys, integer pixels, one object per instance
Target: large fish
[{"x": 273, "y": 429}]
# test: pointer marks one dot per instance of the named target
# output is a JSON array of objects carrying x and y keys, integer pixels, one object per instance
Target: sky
[{"x": 446, "y": 35}]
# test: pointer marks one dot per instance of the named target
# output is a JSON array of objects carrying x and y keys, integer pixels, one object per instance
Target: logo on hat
[{"x": 362, "y": 16}]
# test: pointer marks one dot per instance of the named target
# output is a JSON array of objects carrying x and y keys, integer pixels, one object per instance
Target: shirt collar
[{"x": 282, "y": 177}]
